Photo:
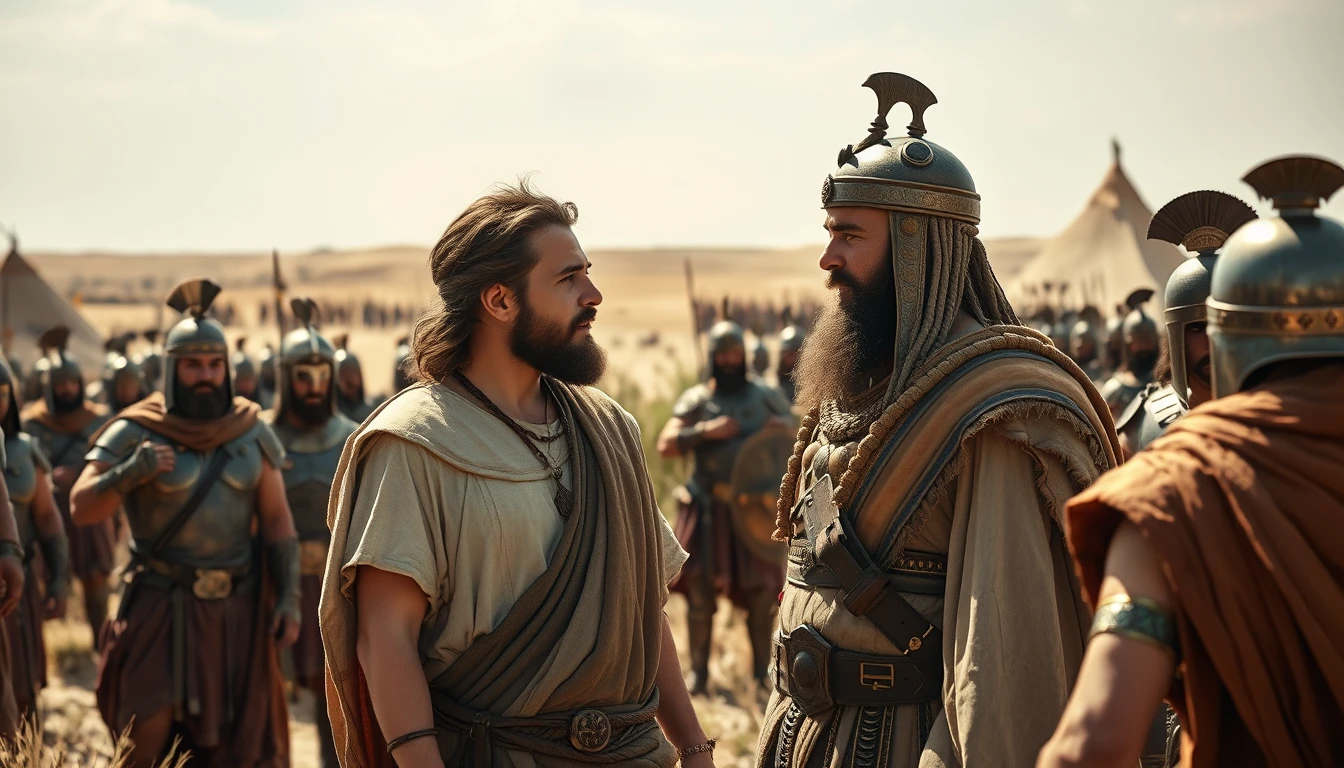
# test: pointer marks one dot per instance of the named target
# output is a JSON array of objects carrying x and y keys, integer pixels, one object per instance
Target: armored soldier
[
  {"x": 350, "y": 397},
  {"x": 930, "y": 614},
  {"x": 790, "y": 341},
  {"x": 1085, "y": 342},
  {"x": 1140, "y": 346},
  {"x": 1220, "y": 543},
  {"x": 760, "y": 356},
  {"x": 151, "y": 360},
  {"x": 62, "y": 422},
  {"x": 266, "y": 375},
  {"x": 245, "y": 379},
  {"x": 711, "y": 422},
  {"x": 313, "y": 431},
  {"x": 1201, "y": 222},
  {"x": 123, "y": 384},
  {"x": 213, "y": 584},
  {"x": 39, "y": 530}
]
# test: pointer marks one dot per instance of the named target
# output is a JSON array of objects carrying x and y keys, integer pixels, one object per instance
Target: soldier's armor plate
[
  {"x": 1149, "y": 415},
  {"x": 751, "y": 406},
  {"x": 311, "y": 456},
  {"x": 23, "y": 462},
  {"x": 761, "y": 463},
  {"x": 219, "y": 533},
  {"x": 1121, "y": 389},
  {"x": 64, "y": 450}
]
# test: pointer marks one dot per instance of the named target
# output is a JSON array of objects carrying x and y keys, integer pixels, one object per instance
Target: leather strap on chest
[
  {"x": 868, "y": 591},
  {"x": 212, "y": 473}
]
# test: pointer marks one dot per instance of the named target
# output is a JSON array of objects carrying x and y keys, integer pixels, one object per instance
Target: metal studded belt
[{"x": 818, "y": 676}]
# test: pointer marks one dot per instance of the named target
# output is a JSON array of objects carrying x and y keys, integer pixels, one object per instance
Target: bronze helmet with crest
[
  {"x": 304, "y": 351},
  {"x": 194, "y": 334},
  {"x": 939, "y": 265},
  {"x": 1201, "y": 222},
  {"x": 1277, "y": 293}
]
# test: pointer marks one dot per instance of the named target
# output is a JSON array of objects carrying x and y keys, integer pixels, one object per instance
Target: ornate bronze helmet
[
  {"x": 9, "y": 390},
  {"x": 1138, "y": 331},
  {"x": 60, "y": 368},
  {"x": 305, "y": 352},
  {"x": 194, "y": 334},
  {"x": 346, "y": 361},
  {"x": 1278, "y": 291},
  {"x": 1201, "y": 222},
  {"x": 939, "y": 264}
]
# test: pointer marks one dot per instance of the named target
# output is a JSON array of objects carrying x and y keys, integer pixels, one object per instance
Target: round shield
[{"x": 757, "y": 472}]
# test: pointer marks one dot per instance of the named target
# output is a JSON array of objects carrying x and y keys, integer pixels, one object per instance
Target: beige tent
[
  {"x": 1007, "y": 255},
  {"x": 28, "y": 307},
  {"x": 1103, "y": 255}
]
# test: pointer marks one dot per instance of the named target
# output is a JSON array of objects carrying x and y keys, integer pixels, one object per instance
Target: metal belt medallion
[
  {"x": 590, "y": 731},
  {"x": 212, "y": 584}
]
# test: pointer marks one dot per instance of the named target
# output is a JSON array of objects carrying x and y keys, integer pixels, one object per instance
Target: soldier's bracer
[
  {"x": 56, "y": 552},
  {"x": 1138, "y": 619},
  {"x": 12, "y": 549},
  {"x": 130, "y": 474},
  {"x": 690, "y": 438},
  {"x": 284, "y": 562}
]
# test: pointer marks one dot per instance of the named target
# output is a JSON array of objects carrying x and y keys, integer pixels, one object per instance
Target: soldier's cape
[
  {"x": 606, "y": 571},
  {"x": 71, "y": 423},
  {"x": 1241, "y": 500},
  {"x": 202, "y": 435}
]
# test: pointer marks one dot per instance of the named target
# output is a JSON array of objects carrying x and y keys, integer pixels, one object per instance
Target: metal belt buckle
[
  {"x": 212, "y": 584},
  {"x": 877, "y": 676},
  {"x": 590, "y": 731},
  {"x": 312, "y": 558}
]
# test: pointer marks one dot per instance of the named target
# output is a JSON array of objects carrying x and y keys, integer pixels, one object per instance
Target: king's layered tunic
[
  {"x": 932, "y": 615},
  {"x": 531, "y": 615}
]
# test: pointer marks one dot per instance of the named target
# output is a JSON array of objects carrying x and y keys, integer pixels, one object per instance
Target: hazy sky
[{"x": 166, "y": 124}]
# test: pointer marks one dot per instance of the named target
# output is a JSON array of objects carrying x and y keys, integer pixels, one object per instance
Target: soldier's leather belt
[
  {"x": 817, "y": 676},
  {"x": 204, "y": 583},
  {"x": 916, "y": 573}
]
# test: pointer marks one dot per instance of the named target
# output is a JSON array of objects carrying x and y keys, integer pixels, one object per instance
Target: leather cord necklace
[{"x": 564, "y": 497}]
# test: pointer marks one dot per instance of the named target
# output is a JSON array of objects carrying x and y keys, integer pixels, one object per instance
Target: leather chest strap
[
  {"x": 867, "y": 589},
  {"x": 212, "y": 472}
]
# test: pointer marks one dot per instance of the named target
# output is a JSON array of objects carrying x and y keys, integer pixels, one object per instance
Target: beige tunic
[
  {"x": 1012, "y": 620},
  {"x": 474, "y": 533}
]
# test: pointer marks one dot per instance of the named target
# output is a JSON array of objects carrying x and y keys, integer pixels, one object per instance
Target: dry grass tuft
[{"x": 30, "y": 749}]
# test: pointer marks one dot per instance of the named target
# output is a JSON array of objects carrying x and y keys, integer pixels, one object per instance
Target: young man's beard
[
  {"x": 311, "y": 414},
  {"x": 851, "y": 342},
  {"x": 550, "y": 348},
  {"x": 202, "y": 406}
]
